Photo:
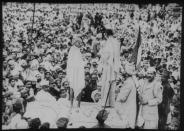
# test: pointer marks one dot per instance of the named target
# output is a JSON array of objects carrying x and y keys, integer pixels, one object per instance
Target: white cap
[{"x": 151, "y": 70}]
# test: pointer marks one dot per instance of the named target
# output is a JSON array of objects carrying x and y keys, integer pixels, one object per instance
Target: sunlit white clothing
[
  {"x": 111, "y": 63},
  {"x": 75, "y": 70},
  {"x": 45, "y": 107},
  {"x": 126, "y": 104},
  {"x": 14, "y": 121}
]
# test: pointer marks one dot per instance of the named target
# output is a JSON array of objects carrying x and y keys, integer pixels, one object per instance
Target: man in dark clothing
[
  {"x": 164, "y": 107},
  {"x": 88, "y": 89}
]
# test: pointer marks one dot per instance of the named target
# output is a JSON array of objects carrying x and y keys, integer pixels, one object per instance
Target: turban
[
  {"x": 94, "y": 93},
  {"x": 35, "y": 64},
  {"x": 129, "y": 68},
  {"x": 77, "y": 39}
]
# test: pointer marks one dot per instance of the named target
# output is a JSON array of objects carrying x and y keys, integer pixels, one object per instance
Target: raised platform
[{"x": 87, "y": 116}]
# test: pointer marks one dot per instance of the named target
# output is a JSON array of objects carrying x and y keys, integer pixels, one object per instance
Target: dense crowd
[{"x": 35, "y": 50}]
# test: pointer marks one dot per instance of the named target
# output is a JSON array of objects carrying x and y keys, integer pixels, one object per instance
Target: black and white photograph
[{"x": 91, "y": 65}]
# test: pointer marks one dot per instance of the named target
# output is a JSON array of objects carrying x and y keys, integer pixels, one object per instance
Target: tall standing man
[
  {"x": 75, "y": 71},
  {"x": 111, "y": 64}
]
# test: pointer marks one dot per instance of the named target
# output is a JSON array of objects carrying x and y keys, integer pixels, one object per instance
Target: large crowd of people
[{"x": 37, "y": 41}]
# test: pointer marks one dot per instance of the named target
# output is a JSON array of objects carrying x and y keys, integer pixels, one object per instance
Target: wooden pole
[
  {"x": 32, "y": 22},
  {"x": 110, "y": 82}
]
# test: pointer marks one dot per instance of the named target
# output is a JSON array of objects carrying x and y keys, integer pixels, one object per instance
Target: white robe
[
  {"x": 75, "y": 70},
  {"x": 126, "y": 104},
  {"x": 111, "y": 64}
]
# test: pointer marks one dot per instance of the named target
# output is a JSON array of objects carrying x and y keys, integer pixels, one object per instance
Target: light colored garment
[
  {"x": 34, "y": 64},
  {"x": 64, "y": 107},
  {"x": 151, "y": 92},
  {"x": 43, "y": 82},
  {"x": 15, "y": 72},
  {"x": 46, "y": 112},
  {"x": 126, "y": 104},
  {"x": 46, "y": 64},
  {"x": 45, "y": 107},
  {"x": 14, "y": 90},
  {"x": 29, "y": 75},
  {"x": 111, "y": 64},
  {"x": 75, "y": 70},
  {"x": 44, "y": 97},
  {"x": 22, "y": 124},
  {"x": 14, "y": 121}
]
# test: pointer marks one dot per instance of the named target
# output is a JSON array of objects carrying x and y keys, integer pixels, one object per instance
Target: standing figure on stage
[
  {"x": 110, "y": 55},
  {"x": 126, "y": 100},
  {"x": 75, "y": 71}
]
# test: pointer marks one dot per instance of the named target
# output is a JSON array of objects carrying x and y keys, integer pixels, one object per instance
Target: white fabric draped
[
  {"x": 111, "y": 64},
  {"x": 75, "y": 70}
]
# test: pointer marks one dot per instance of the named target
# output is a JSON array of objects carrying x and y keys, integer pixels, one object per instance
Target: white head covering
[
  {"x": 93, "y": 94},
  {"x": 129, "y": 68},
  {"x": 76, "y": 39},
  {"x": 151, "y": 70},
  {"x": 34, "y": 64}
]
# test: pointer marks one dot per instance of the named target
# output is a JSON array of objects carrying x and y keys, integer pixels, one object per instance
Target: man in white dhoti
[
  {"x": 75, "y": 71},
  {"x": 110, "y": 55}
]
